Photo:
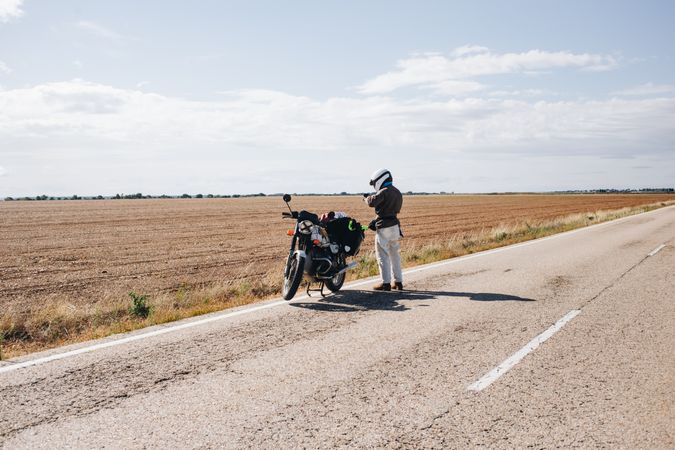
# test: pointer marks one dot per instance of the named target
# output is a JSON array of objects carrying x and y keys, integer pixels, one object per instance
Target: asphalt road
[{"x": 365, "y": 369}]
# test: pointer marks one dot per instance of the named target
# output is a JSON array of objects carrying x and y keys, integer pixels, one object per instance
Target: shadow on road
[{"x": 360, "y": 300}]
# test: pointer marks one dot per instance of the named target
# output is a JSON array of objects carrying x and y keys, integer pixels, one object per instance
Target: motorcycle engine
[{"x": 323, "y": 261}]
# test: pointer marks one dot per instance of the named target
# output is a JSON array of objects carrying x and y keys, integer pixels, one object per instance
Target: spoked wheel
[
  {"x": 335, "y": 283},
  {"x": 293, "y": 275}
]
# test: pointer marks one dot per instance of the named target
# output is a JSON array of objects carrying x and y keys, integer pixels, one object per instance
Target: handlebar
[{"x": 295, "y": 215}]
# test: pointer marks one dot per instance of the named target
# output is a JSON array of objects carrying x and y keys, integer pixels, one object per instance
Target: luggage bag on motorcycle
[{"x": 347, "y": 233}]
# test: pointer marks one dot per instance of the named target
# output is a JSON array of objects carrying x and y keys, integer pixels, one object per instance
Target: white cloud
[
  {"x": 522, "y": 93},
  {"x": 457, "y": 87},
  {"x": 10, "y": 9},
  {"x": 647, "y": 89},
  {"x": 472, "y": 61},
  {"x": 4, "y": 68},
  {"x": 468, "y": 50},
  {"x": 78, "y": 110},
  {"x": 99, "y": 30},
  {"x": 124, "y": 131}
]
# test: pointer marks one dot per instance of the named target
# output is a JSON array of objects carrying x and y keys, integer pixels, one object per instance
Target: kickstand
[{"x": 320, "y": 290}]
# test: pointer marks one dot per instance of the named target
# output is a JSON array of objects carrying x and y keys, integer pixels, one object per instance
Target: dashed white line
[
  {"x": 514, "y": 359},
  {"x": 656, "y": 250}
]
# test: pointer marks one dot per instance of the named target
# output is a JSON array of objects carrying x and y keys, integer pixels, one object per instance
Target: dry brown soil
[{"x": 84, "y": 252}]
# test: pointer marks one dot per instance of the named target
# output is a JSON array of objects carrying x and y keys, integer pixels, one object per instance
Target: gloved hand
[
  {"x": 372, "y": 225},
  {"x": 327, "y": 217}
]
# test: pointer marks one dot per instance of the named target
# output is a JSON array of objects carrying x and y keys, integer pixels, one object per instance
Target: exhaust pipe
[{"x": 351, "y": 265}]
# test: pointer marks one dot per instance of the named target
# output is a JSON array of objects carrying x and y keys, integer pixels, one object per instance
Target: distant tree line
[
  {"x": 139, "y": 195},
  {"x": 619, "y": 191},
  {"x": 135, "y": 196}
]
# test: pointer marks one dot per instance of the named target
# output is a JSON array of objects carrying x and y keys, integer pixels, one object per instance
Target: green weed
[{"x": 139, "y": 306}]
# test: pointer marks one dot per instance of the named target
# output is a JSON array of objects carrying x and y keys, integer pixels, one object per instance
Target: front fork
[{"x": 290, "y": 256}]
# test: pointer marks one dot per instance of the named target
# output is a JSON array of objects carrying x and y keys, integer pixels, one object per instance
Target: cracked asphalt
[{"x": 391, "y": 370}]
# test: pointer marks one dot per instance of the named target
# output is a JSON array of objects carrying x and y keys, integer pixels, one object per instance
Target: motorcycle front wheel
[{"x": 293, "y": 276}]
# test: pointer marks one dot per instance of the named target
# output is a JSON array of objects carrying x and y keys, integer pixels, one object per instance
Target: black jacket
[{"x": 387, "y": 203}]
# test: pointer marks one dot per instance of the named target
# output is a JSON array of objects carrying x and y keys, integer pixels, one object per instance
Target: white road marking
[
  {"x": 11, "y": 366},
  {"x": 136, "y": 337},
  {"x": 514, "y": 359},
  {"x": 656, "y": 250}
]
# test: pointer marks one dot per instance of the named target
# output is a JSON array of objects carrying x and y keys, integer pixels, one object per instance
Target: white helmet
[{"x": 379, "y": 177}]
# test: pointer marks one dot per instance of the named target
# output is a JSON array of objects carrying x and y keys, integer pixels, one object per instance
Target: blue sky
[{"x": 225, "y": 97}]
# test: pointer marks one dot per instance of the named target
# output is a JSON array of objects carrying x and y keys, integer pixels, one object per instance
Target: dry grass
[
  {"x": 60, "y": 321},
  {"x": 499, "y": 236}
]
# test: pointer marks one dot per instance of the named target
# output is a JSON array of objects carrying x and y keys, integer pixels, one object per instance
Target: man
[{"x": 387, "y": 201}]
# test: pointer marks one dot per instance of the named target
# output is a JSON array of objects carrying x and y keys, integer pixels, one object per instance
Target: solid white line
[
  {"x": 225, "y": 315},
  {"x": 656, "y": 250},
  {"x": 136, "y": 337},
  {"x": 514, "y": 359}
]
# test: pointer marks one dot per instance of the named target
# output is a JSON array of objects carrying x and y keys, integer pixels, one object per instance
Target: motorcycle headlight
[{"x": 305, "y": 227}]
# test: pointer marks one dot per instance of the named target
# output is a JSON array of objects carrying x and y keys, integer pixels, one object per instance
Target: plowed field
[{"x": 85, "y": 252}]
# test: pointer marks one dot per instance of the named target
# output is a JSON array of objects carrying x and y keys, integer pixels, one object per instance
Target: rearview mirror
[{"x": 287, "y": 198}]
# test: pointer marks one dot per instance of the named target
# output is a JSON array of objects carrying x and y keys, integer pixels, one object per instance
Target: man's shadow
[{"x": 361, "y": 300}]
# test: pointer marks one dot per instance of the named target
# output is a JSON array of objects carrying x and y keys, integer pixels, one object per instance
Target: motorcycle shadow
[{"x": 362, "y": 300}]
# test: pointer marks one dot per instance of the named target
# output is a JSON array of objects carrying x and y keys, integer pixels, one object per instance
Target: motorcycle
[{"x": 319, "y": 250}]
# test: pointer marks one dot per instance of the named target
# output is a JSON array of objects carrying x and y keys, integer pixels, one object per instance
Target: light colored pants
[{"x": 388, "y": 253}]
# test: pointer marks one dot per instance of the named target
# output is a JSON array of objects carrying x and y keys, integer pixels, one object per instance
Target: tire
[
  {"x": 335, "y": 284},
  {"x": 293, "y": 276}
]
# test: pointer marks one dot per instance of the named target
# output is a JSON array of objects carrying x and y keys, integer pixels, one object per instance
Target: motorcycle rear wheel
[
  {"x": 293, "y": 276},
  {"x": 335, "y": 283}
]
